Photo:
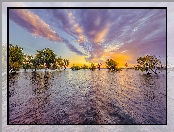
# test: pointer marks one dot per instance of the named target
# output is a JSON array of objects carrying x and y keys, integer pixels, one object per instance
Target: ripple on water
[{"x": 87, "y": 97}]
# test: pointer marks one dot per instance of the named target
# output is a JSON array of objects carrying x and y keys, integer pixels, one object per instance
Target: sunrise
[
  {"x": 87, "y": 66},
  {"x": 91, "y": 35}
]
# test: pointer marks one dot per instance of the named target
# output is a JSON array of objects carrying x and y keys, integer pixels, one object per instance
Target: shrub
[{"x": 149, "y": 64}]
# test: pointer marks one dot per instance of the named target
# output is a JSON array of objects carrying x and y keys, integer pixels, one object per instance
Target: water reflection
[
  {"x": 13, "y": 79},
  {"x": 87, "y": 97},
  {"x": 150, "y": 86},
  {"x": 40, "y": 81}
]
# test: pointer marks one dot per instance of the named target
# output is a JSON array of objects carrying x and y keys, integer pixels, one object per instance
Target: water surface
[{"x": 87, "y": 97}]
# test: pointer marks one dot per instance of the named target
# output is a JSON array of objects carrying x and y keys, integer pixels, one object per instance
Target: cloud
[
  {"x": 101, "y": 32},
  {"x": 73, "y": 48},
  {"x": 65, "y": 20},
  {"x": 33, "y": 24},
  {"x": 37, "y": 27},
  {"x": 99, "y": 36},
  {"x": 138, "y": 31}
]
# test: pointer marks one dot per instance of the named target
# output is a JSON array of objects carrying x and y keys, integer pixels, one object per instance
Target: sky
[{"x": 87, "y": 36}]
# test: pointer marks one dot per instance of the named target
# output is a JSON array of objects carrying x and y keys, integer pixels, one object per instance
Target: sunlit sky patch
[{"x": 91, "y": 35}]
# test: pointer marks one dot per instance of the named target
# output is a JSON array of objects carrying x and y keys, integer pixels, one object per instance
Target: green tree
[
  {"x": 15, "y": 57},
  {"x": 112, "y": 65},
  {"x": 149, "y": 64},
  {"x": 75, "y": 67},
  {"x": 84, "y": 67},
  {"x": 54, "y": 66},
  {"x": 27, "y": 61},
  {"x": 60, "y": 63},
  {"x": 35, "y": 63},
  {"x": 46, "y": 57},
  {"x": 65, "y": 63}
]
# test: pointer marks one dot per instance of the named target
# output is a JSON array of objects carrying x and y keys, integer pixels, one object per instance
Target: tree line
[
  {"x": 43, "y": 59},
  {"x": 47, "y": 59}
]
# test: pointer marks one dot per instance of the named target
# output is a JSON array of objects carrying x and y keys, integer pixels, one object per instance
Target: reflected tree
[{"x": 149, "y": 86}]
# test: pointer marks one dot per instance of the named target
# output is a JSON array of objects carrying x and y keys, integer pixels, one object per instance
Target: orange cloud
[
  {"x": 78, "y": 29},
  {"x": 81, "y": 39},
  {"x": 99, "y": 37}
]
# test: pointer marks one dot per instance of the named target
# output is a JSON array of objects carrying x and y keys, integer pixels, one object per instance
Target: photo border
[{"x": 8, "y": 8}]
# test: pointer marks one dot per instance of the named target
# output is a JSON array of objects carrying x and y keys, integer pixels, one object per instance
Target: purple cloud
[
  {"x": 33, "y": 24},
  {"x": 98, "y": 31}
]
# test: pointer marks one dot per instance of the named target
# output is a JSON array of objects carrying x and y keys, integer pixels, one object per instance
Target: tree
[
  {"x": 46, "y": 57},
  {"x": 65, "y": 63},
  {"x": 75, "y": 67},
  {"x": 126, "y": 65},
  {"x": 35, "y": 63},
  {"x": 27, "y": 61},
  {"x": 84, "y": 67},
  {"x": 98, "y": 66},
  {"x": 149, "y": 64},
  {"x": 93, "y": 67},
  {"x": 59, "y": 62},
  {"x": 112, "y": 65},
  {"x": 54, "y": 66},
  {"x": 15, "y": 57}
]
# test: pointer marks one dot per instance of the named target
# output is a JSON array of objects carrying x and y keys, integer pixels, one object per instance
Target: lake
[{"x": 87, "y": 97}]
